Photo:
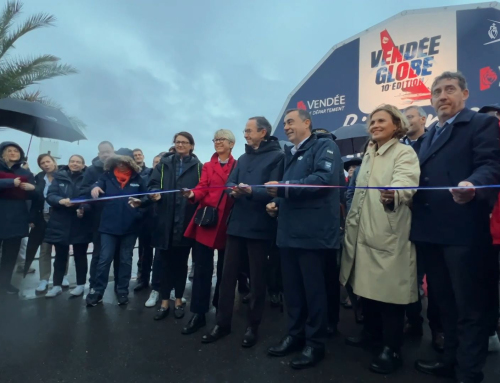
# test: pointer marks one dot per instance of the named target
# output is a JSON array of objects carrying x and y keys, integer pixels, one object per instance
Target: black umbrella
[
  {"x": 351, "y": 138},
  {"x": 38, "y": 120}
]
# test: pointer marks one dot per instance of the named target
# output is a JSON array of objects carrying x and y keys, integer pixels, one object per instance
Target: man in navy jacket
[
  {"x": 308, "y": 232},
  {"x": 452, "y": 227}
]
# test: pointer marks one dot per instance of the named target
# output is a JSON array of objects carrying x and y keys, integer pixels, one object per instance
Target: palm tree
[{"x": 18, "y": 75}]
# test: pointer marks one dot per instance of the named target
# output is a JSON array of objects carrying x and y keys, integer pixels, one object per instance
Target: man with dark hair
[
  {"x": 308, "y": 233},
  {"x": 461, "y": 148},
  {"x": 90, "y": 177},
  {"x": 250, "y": 230}
]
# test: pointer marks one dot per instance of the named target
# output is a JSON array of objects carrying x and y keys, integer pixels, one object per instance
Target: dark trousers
[
  {"x": 109, "y": 244},
  {"x": 493, "y": 291},
  {"x": 332, "y": 274},
  {"x": 456, "y": 277},
  {"x": 145, "y": 262},
  {"x": 305, "y": 294},
  {"x": 61, "y": 260},
  {"x": 274, "y": 280},
  {"x": 174, "y": 271},
  {"x": 157, "y": 270},
  {"x": 202, "y": 281},
  {"x": 236, "y": 250},
  {"x": 10, "y": 250},
  {"x": 414, "y": 310},
  {"x": 385, "y": 321},
  {"x": 35, "y": 239},
  {"x": 96, "y": 240}
]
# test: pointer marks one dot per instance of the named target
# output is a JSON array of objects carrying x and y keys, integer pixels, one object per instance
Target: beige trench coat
[{"x": 378, "y": 259}]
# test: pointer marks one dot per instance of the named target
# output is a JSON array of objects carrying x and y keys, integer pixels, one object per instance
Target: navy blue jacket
[
  {"x": 249, "y": 218},
  {"x": 468, "y": 150},
  {"x": 64, "y": 226},
  {"x": 118, "y": 217},
  {"x": 91, "y": 176},
  {"x": 309, "y": 218}
]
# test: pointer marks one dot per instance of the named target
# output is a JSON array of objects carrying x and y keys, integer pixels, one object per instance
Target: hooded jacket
[
  {"x": 174, "y": 211},
  {"x": 249, "y": 218},
  {"x": 64, "y": 226},
  {"x": 14, "y": 222},
  {"x": 118, "y": 217}
]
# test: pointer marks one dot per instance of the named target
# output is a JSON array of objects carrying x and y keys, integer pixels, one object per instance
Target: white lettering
[{"x": 350, "y": 119}]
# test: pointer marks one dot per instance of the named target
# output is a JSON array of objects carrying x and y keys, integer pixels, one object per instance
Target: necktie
[{"x": 439, "y": 131}]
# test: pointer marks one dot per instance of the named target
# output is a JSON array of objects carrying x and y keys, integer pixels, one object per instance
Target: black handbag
[{"x": 208, "y": 215}]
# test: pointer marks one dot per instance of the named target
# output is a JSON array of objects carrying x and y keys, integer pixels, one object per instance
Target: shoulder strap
[{"x": 223, "y": 191}]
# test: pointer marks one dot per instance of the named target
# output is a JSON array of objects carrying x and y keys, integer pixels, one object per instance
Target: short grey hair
[
  {"x": 419, "y": 109},
  {"x": 303, "y": 114},
  {"x": 262, "y": 123},
  {"x": 462, "y": 82},
  {"x": 225, "y": 133}
]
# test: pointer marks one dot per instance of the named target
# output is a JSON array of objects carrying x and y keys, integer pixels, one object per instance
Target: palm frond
[
  {"x": 21, "y": 73},
  {"x": 11, "y": 10},
  {"x": 40, "y": 20}
]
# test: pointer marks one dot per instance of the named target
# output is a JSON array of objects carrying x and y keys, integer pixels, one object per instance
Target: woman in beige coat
[{"x": 378, "y": 259}]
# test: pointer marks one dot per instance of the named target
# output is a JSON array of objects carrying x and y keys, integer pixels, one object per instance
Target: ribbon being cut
[{"x": 449, "y": 188}]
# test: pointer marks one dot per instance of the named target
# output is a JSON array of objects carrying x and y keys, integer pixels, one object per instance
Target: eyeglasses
[
  {"x": 217, "y": 140},
  {"x": 183, "y": 143}
]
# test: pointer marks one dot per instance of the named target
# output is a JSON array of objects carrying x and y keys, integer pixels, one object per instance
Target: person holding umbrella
[
  {"x": 68, "y": 224},
  {"x": 16, "y": 186}
]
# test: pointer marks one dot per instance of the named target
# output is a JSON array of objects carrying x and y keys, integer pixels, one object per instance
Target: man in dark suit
[
  {"x": 452, "y": 227},
  {"x": 308, "y": 233},
  {"x": 417, "y": 117}
]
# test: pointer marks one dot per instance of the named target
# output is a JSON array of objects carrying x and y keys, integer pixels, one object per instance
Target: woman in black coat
[
  {"x": 16, "y": 186},
  {"x": 175, "y": 171},
  {"x": 68, "y": 225}
]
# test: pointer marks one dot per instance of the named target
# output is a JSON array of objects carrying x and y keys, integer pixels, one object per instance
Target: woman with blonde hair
[
  {"x": 378, "y": 259},
  {"x": 208, "y": 226}
]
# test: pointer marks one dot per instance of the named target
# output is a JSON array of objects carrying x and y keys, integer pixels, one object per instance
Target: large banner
[{"x": 396, "y": 62}]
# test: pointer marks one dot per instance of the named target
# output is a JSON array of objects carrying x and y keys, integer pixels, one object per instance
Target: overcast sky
[{"x": 150, "y": 68}]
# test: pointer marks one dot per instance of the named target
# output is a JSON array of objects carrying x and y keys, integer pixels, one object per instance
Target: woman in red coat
[{"x": 212, "y": 236}]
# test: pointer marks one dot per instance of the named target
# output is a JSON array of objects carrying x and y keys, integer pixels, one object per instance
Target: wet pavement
[{"x": 60, "y": 340}]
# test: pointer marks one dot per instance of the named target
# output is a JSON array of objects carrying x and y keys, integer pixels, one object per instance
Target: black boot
[
  {"x": 286, "y": 346},
  {"x": 387, "y": 362},
  {"x": 308, "y": 358},
  {"x": 365, "y": 339},
  {"x": 435, "y": 368},
  {"x": 250, "y": 337},
  {"x": 196, "y": 322},
  {"x": 216, "y": 334}
]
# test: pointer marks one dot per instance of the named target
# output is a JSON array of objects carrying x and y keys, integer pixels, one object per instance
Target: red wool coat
[{"x": 213, "y": 174}]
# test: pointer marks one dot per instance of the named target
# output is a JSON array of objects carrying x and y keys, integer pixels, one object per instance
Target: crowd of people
[{"x": 295, "y": 238}]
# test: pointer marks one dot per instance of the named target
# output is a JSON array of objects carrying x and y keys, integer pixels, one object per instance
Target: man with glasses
[
  {"x": 250, "y": 229},
  {"x": 452, "y": 227}
]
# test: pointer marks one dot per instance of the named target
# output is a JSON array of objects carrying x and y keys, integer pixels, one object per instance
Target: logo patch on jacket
[
  {"x": 61, "y": 185},
  {"x": 327, "y": 165},
  {"x": 136, "y": 185}
]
